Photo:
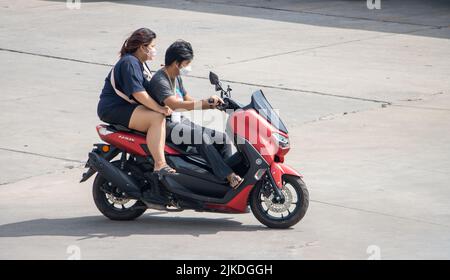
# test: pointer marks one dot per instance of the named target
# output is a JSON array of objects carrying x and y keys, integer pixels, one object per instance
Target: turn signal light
[{"x": 105, "y": 148}]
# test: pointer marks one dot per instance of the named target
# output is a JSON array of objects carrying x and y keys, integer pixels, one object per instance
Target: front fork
[
  {"x": 278, "y": 194},
  {"x": 275, "y": 176}
]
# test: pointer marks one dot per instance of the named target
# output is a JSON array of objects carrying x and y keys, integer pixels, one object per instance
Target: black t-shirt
[
  {"x": 129, "y": 76},
  {"x": 160, "y": 87}
]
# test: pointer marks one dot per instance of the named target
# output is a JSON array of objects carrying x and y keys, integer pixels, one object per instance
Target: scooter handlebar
[{"x": 224, "y": 105}]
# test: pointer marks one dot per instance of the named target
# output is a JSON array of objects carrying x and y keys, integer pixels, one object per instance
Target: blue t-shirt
[{"x": 130, "y": 78}]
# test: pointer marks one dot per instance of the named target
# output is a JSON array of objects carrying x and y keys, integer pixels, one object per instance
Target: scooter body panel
[
  {"x": 278, "y": 169},
  {"x": 132, "y": 143}
]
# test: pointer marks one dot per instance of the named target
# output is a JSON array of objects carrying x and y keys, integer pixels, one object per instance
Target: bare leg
[
  {"x": 156, "y": 137},
  {"x": 154, "y": 124}
]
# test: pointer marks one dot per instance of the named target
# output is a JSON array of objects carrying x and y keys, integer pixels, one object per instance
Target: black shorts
[{"x": 120, "y": 114}]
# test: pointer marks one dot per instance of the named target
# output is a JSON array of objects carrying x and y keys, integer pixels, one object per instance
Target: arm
[
  {"x": 188, "y": 105},
  {"x": 187, "y": 97},
  {"x": 145, "y": 99},
  {"x": 132, "y": 86}
]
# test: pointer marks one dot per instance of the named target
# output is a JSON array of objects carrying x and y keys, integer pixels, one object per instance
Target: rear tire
[
  {"x": 294, "y": 216},
  {"x": 103, "y": 202}
]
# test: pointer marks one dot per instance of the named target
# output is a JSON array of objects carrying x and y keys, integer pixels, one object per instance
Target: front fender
[{"x": 278, "y": 169}]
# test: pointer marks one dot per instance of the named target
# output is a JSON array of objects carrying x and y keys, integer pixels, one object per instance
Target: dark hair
[
  {"x": 180, "y": 50},
  {"x": 142, "y": 36}
]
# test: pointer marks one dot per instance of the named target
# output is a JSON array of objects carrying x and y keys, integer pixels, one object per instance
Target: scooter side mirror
[{"x": 214, "y": 79}]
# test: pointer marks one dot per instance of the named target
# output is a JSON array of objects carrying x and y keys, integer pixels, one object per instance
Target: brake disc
[
  {"x": 279, "y": 207},
  {"x": 117, "y": 200}
]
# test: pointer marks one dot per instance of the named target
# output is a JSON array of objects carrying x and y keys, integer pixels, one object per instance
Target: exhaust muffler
[{"x": 114, "y": 175}]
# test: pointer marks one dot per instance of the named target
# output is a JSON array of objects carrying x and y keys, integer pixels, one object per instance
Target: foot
[
  {"x": 164, "y": 169},
  {"x": 235, "y": 180}
]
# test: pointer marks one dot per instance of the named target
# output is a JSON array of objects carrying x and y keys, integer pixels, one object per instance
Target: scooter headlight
[{"x": 282, "y": 141}]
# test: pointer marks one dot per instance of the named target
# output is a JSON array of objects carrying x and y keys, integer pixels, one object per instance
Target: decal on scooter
[{"x": 126, "y": 138}]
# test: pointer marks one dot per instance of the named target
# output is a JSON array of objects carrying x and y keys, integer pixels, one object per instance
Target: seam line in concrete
[
  {"x": 379, "y": 213},
  {"x": 38, "y": 175},
  {"x": 204, "y": 78},
  {"x": 305, "y": 91},
  {"x": 23, "y": 179},
  {"x": 56, "y": 57},
  {"x": 421, "y": 107},
  {"x": 24, "y": 97},
  {"x": 40, "y": 155},
  {"x": 300, "y": 51},
  {"x": 303, "y": 50},
  {"x": 324, "y": 14}
]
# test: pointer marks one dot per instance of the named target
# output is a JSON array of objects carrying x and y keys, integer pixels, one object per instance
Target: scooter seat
[
  {"x": 119, "y": 127},
  {"x": 184, "y": 149}
]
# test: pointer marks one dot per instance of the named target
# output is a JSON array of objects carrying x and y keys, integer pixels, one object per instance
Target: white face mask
[
  {"x": 151, "y": 53},
  {"x": 185, "y": 70}
]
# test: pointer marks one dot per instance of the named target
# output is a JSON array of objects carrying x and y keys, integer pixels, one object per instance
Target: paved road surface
[{"x": 365, "y": 94}]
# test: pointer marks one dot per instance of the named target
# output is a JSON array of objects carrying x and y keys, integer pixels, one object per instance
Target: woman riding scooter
[{"x": 125, "y": 101}]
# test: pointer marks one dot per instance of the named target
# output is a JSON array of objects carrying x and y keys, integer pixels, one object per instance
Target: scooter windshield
[{"x": 263, "y": 107}]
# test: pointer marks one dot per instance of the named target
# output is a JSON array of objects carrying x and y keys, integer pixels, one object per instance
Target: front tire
[
  {"x": 112, "y": 205},
  {"x": 276, "y": 215}
]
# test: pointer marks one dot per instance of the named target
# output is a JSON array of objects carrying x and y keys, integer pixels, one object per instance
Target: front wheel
[{"x": 280, "y": 215}]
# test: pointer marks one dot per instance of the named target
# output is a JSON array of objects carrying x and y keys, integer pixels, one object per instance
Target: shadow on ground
[
  {"x": 100, "y": 227},
  {"x": 423, "y": 18}
]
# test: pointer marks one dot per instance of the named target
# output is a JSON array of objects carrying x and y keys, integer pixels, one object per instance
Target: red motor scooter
[{"x": 276, "y": 193}]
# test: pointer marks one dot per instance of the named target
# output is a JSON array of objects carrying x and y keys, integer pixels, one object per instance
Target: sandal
[
  {"x": 235, "y": 181},
  {"x": 166, "y": 170}
]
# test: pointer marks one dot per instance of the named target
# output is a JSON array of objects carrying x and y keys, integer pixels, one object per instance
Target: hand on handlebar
[{"x": 214, "y": 101}]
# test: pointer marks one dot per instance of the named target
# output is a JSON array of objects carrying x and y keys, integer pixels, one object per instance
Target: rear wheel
[
  {"x": 112, "y": 203},
  {"x": 285, "y": 214}
]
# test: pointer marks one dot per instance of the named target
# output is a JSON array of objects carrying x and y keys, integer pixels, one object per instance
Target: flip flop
[{"x": 166, "y": 170}]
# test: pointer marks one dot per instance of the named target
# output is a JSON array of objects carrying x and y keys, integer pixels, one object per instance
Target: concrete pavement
[{"x": 365, "y": 95}]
